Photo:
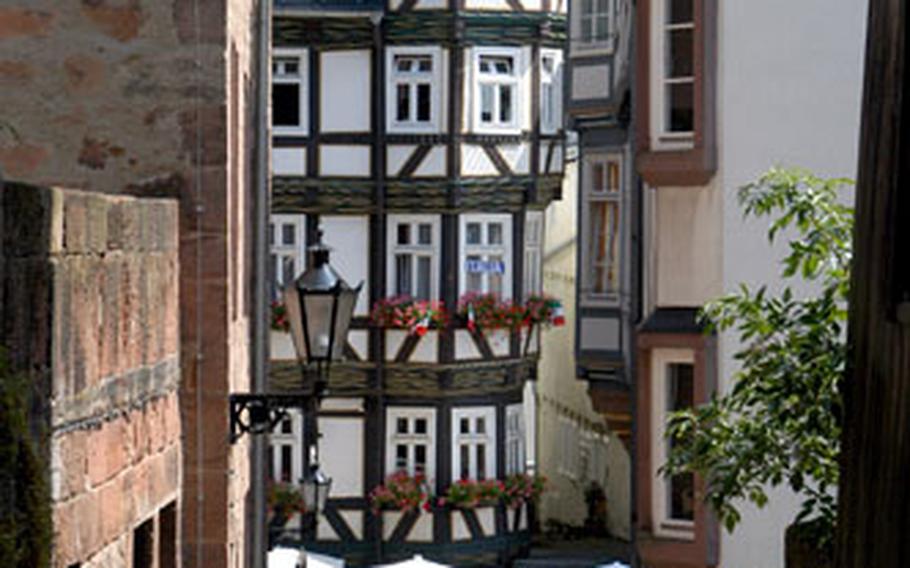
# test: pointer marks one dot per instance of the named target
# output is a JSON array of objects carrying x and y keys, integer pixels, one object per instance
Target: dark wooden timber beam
[{"x": 874, "y": 493}]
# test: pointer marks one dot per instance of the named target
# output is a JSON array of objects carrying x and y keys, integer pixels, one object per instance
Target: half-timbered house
[{"x": 423, "y": 139}]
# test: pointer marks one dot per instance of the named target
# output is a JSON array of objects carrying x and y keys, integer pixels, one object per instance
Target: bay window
[
  {"x": 569, "y": 449},
  {"x": 414, "y": 87},
  {"x": 474, "y": 443},
  {"x": 676, "y": 122},
  {"x": 515, "y": 439},
  {"x": 595, "y": 21},
  {"x": 678, "y": 68},
  {"x": 289, "y": 91},
  {"x": 285, "y": 459},
  {"x": 496, "y": 95},
  {"x": 287, "y": 250},
  {"x": 673, "y": 390},
  {"x": 411, "y": 441},
  {"x": 486, "y": 254},
  {"x": 550, "y": 91},
  {"x": 414, "y": 252},
  {"x": 532, "y": 253},
  {"x": 602, "y": 222}
]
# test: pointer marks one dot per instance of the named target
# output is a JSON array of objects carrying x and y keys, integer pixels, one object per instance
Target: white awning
[
  {"x": 294, "y": 558},
  {"x": 314, "y": 560},
  {"x": 417, "y": 562}
]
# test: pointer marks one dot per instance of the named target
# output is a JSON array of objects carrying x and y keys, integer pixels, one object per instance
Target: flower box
[
  {"x": 401, "y": 492},
  {"x": 488, "y": 311},
  {"x": 403, "y": 312}
]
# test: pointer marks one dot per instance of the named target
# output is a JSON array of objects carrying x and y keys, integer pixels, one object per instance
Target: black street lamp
[{"x": 320, "y": 306}]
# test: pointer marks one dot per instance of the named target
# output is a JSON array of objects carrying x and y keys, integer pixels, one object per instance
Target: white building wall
[
  {"x": 349, "y": 237},
  {"x": 346, "y": 466},
  {"x": 345, "y": 82},
  {"x": 688, "y": 237},
  {"x": 791, "y": 101},
  {"x": 562, "y": 398}
]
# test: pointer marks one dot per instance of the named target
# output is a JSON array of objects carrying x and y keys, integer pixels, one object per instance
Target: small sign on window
[{"x": 490, "y": 266}]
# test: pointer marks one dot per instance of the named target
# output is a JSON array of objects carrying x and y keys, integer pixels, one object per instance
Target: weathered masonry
[
  {"x": 153, "y": 99},
  {"x": 90, "y": 309},
  {"x": 424, "y": 139}
]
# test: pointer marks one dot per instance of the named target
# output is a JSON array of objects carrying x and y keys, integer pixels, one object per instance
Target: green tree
[
  {"x": 780, "y": 421},
  {"x": 25, "y": 513}
]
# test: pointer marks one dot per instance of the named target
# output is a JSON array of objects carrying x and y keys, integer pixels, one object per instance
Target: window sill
[
  {"x": 677, "y": 168},
  {"x": 664, "y": 552},
  {"x": 479, "y": 129},
  {"x": 289, "y": 131},
  {"x": 670, "y": 141},
  {"x": 603, "y": 300},
  {"x": 593, "y": 49},
  {"x": 675, "y": 530},
  {"x": 394, "y": 128}
]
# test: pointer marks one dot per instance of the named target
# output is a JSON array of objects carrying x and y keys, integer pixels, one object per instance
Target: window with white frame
[
  {"x": 496, "y": 96},
  {"x": 532, "y": 253},
  {"x": 486, "y": 254},
  {"x": 285, "y": 458},
  {"x": 602, "y": 212},
  {"x": 515, "y": 439},
  {"x": 550, "y": 90},
  {"x": 411, "y": 440},
  {"x": 474, "y": 443},
  {"x": 287, "y": 244},
  {"x": 413, "y": 244},
  {"x": 593, "y": 459},
  {"x": 673, "y": 390},
  {"x": 677, "y": 67},
  {"x": 414, "y": 88},
  {"x": 289, "y": 91},
  {"x": 568, "y": 448},
  {"x": 595, "y": 22}
]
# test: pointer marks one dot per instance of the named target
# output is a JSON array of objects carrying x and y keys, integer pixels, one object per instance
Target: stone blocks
[{"x": 92, "y": 309}]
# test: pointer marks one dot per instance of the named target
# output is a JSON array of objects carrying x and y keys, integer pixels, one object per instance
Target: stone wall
[
  {"x": 155, "y": 98},
  {"x": 91, "y": 309}
]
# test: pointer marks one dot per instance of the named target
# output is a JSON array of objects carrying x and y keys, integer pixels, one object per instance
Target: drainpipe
[{"x": 260, "y": 329}]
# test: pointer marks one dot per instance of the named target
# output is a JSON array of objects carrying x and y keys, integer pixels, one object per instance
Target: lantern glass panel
[
  {"x": 308, "y": 489},
  {"x": 346, "y": 301},
  {"x": 318, "y": 314},
  {"x": 322, "y": 493}
]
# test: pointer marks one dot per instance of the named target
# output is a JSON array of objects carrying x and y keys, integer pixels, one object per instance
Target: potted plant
[
  {"x": 521, "y": 488},
  {"x": 488, "y": 311},
  {"x": 404, "y": 312},
  {"x": 469, "y": 494},
  {"x": 279, "y": 319},
  {"x": 285, "y": 500},
  {"x": 401, "y": 492},
  {"x": 541, "y": 309}
]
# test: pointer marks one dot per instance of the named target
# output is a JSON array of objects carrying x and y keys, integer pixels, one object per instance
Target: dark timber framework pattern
[{"x": 488, "y": 380}]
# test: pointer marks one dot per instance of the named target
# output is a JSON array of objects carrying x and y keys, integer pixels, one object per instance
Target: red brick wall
[
  {"x": 94, "y": 316},
  {"x": 132, "y": 97}
]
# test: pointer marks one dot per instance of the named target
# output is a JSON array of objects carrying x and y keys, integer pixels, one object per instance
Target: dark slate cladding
[
  {"x": 321, "y": 195},
  {"x": 673, "y": 320},
  {"x": 514, "y": 29},
  {"x": 323, "y": 32},
  {"x": 442, "y": 28},
  {"x": 418, "y": 28},
  {"x": 292, "y": 194}
]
